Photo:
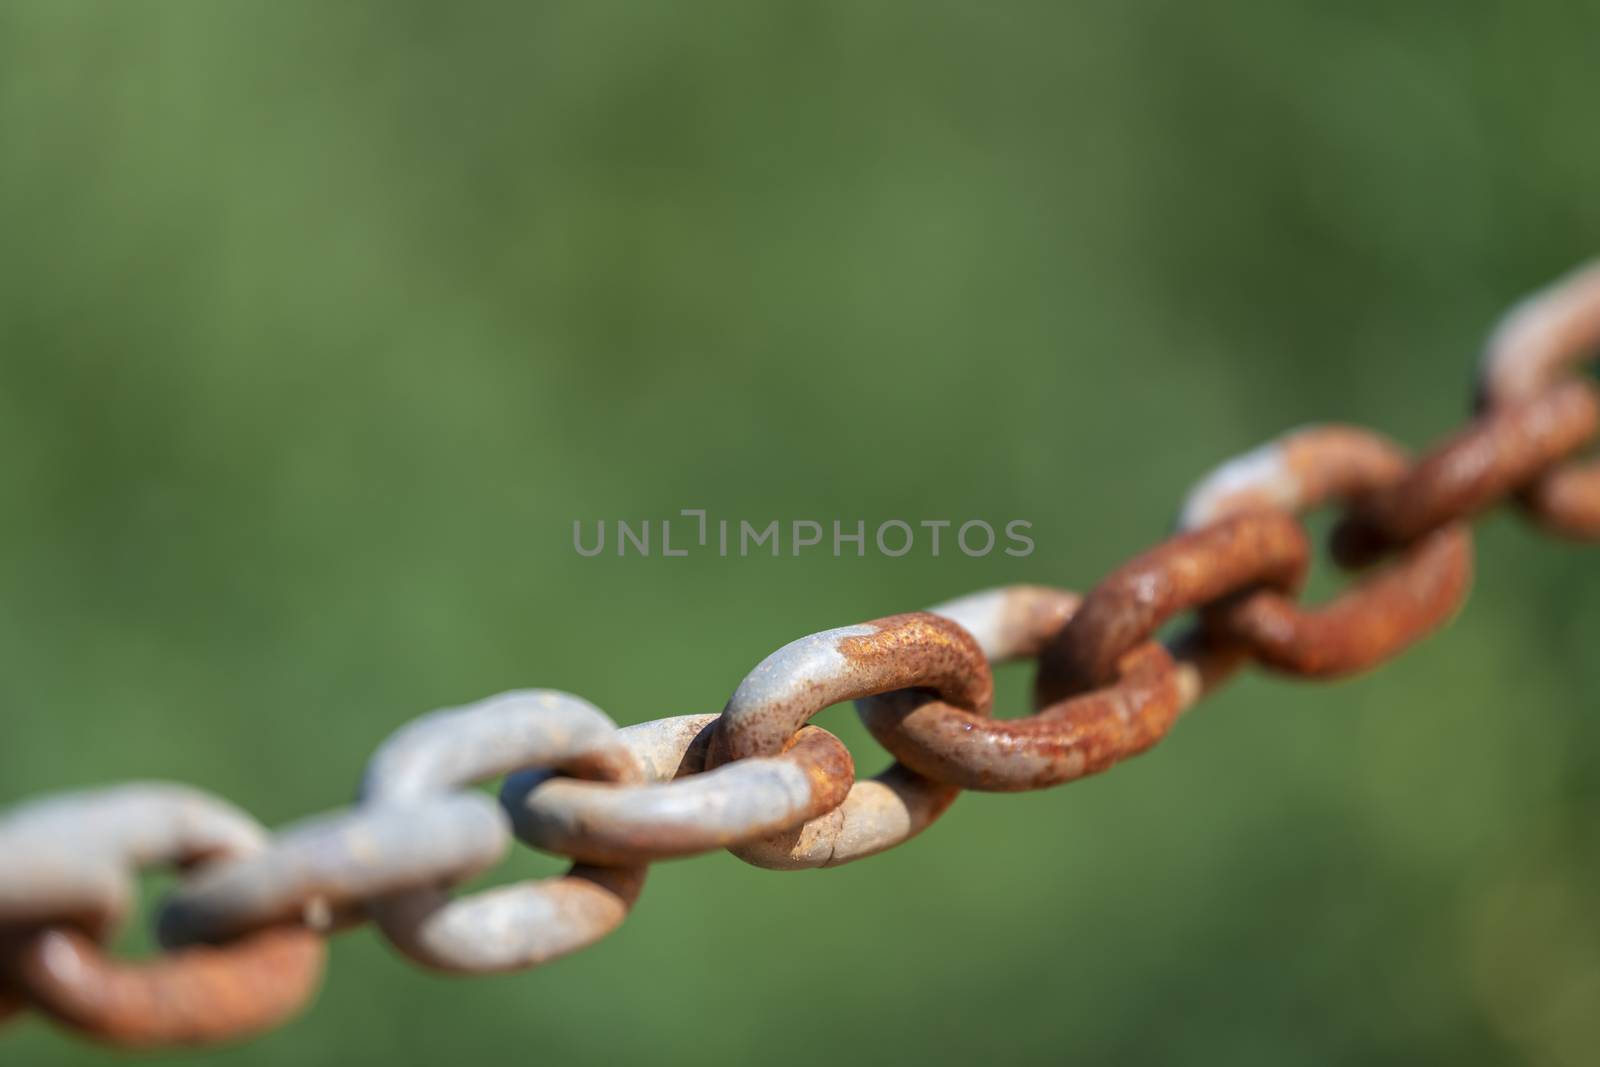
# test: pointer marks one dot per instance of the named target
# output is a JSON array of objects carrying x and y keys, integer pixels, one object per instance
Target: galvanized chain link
[{"x": 244, "y": 931}]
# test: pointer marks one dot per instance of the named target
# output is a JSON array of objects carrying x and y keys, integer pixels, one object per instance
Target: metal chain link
[{"x": 244, "y": 930}]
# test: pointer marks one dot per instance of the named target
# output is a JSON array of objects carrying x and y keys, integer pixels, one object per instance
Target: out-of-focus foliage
[{"x": 322, "y": 322}]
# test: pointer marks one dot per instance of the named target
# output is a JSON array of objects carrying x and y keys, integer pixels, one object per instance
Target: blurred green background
[{"x": 322, "y": 322}]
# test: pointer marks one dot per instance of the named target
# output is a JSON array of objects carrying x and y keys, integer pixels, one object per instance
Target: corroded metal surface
[
  {"x": 1566, "y": 501},
  {"x": 1503, "y": 450},
  {"x": 1382, "y": 614},
  {"x": 1301, "y": 470},
  {"x": 1191, "y": 570},
  {"x": 244, "y": 929},
  {"x": 803, "y": 677},
  {"x": 194, "y": 996},
  {"x": 918, "y": 649},
  {"x": 1541, "y": 341},
  {"x": 1067, "y": 740},
  {"x": 1380, "y": 617},
  {"x": 1064, "y": 741},
  {"x": 67, "y": 872}
]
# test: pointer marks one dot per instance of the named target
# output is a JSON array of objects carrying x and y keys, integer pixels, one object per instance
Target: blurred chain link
[{"x": 244, "y": 931}]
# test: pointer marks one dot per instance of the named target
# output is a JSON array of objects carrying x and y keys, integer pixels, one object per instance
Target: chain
[{"x": 244, "y": 932}]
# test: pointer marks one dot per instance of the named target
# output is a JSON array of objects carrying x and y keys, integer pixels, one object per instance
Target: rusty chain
[{"x": 244, "y": 932}]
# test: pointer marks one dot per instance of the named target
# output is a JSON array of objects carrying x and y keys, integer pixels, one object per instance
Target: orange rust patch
[
  {"x": 1504, "y": 450},
  {"x": 194, "y": 996},
  {"x": 926, "y": 651},
  {"x": 1078, "y": 736},
  {"x": 1191, "y": 570}
]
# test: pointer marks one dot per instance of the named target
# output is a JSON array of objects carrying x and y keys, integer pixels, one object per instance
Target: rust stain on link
[
  {"x": 896, "y": 652},
  {"x": 1107, "y": 689},
  {"x": 1298, "y": 471},
  {"x": 195, "y": 996},
  {"x": 1566, "y": 501},
  {"x": 1079, "y": 736},
  {"x": 1070, "y": 739},
  {"x": 1383, "y": 613},
  {"x": 68, "y": 879},
  {"x": 1007, "y": 623},
  {"x": 923, "y": 649},
  {"x": 1537, "y": 344},
  {"x": 1190, "y": 570},
  {"x": 1502, "y": 451},
  {"x": 916, "y": 649}
]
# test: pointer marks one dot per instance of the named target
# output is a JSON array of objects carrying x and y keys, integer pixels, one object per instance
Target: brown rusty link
[
  {"x": 1500, "y": 452},
  {"x": 1059, "y": 744},
  {"x": 777, "y": 698},
  {"x": 1068, "y": 740},
  {"x": 194, "y": 996},
  {"x": 1566, "y": 501},
  {"x": 915, "y": 648},
  {"x": 67, "y": 881},
  {"x": 1539, "y": 343},
  {"x": 1382, "y": 614},
  {"x": 1008, "y": 623},
  {"x": 243, "y": 952},
  {"x": 1190, "y": 570},
  {"x": 1365, "y": 626}
]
